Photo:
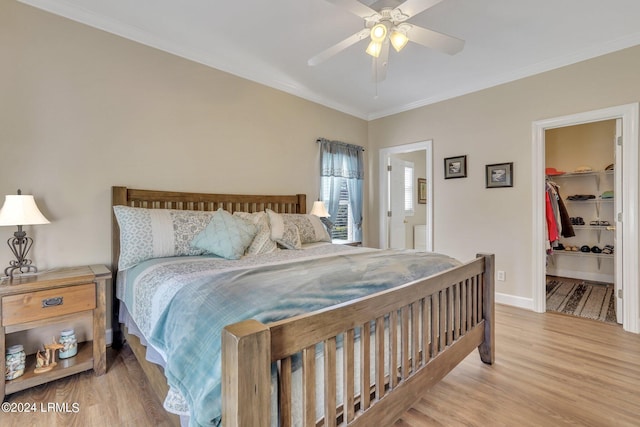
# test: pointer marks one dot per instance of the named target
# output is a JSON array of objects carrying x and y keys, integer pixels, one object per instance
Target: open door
[
  {"x": 397, "y": 220},
  {"x": 627, "y": 206},
  {"x": 618, "y": 225},
  {"x": 423, "y": 212}
]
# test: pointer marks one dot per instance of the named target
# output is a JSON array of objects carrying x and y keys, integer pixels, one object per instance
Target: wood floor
[{"x": 551, "y": 370}]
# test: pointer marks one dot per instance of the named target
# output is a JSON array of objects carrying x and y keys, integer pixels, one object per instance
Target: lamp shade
[
  {"x": 21, "y": 209},
  {"x": 319, "y": 210},
  {"x": 398, "y": 40},
  {"x": 374, "y": 49}
]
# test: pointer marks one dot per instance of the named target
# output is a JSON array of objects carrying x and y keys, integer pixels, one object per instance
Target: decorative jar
[
  {"x": 14, "y": 361},
  {"x": 68, "y": 340}
]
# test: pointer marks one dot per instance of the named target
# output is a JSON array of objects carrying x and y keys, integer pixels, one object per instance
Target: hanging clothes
[
  {"x": 556, "y": 214},
  {"x": 552, "y": 225},
  {"x": 563, "y": 215}
]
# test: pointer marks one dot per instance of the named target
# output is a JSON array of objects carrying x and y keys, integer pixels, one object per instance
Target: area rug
[{"x": 593, "y": 300}]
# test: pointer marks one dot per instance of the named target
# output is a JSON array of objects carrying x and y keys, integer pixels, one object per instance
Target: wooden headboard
[{"x": 152, "y": 199}]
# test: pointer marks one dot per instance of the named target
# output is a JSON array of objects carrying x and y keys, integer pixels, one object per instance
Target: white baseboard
[
  {"x": 581, "y": 275},
  {"x": 520, "y": 302}
]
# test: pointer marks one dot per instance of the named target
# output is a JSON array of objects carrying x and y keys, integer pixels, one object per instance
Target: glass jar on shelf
[
  {"x": 14, "y": 362},
  {"x": 68, "y": 340}
]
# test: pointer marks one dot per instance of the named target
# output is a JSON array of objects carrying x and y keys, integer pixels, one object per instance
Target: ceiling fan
[{"x": 389, "y": 26}]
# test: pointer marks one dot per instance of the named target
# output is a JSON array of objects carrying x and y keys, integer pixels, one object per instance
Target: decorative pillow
[
  {"x": 310, "y": 227},
  {"x": 226, "y": 235},
  {"x": 285, "y": 234},
  {"x": 262, "y": 243},
  {"x": 154, "y": 233}
]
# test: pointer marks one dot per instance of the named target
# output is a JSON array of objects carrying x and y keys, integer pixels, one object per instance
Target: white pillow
[
  {"x": 155, "y": 233},
  {"x": 285, "y": 234},
  {"x": 262, "y": 243},
  {"x": 310, "y": 227}
]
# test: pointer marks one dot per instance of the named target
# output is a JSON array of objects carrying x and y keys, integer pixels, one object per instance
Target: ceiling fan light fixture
[
  {"x": 398, "y": 39},
  {"x": 378, "y": 33},
  {"x": 374, "y": 49}
]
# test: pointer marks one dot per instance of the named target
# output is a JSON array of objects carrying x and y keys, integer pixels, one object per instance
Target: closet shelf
[
  {"x": 597, "y": 257},
  {"x": 581, "y": 174},
  {"x": 597, "y": 175},
  {"x": 593, "y": 227},
  {"x": 583, "y": 254},
  {"x": 590, "y": 201}
]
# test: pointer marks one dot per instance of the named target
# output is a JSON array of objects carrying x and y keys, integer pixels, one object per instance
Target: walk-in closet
[{"x": 580, "y": 209}]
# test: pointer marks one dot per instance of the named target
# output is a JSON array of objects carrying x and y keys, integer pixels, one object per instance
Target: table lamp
[
  {"x": 20, "y": 209},
  {"x": 320, "y": 210}
]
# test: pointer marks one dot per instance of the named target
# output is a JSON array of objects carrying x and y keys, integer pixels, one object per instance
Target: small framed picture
[
  {"x": 422, "y": 191},
  {"x": 455, "y": 167},
  {"x": 499, "y": 175}
]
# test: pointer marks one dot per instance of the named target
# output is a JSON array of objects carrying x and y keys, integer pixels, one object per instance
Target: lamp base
[
  {"x": 25, "y": 268},
  {"x": 20, "y": 245}
]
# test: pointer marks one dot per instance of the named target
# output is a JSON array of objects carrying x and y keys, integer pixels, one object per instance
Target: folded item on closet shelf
[
  {"x": 553, "y": 172},
  {"x": 599, "y": 223},
  {"x": 608, "y": 249},
  {"x": 583, "y": 169},
  {"x": 581, "y": 197},
  {"x": 607, "y": 194}
]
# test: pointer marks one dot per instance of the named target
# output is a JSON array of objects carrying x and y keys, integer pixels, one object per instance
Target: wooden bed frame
[{"x": 433, "y": 324}]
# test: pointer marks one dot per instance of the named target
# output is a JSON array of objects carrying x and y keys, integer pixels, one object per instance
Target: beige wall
[
  {"x": 494, "y": 126},
  {"x": 82, "y": 110}
]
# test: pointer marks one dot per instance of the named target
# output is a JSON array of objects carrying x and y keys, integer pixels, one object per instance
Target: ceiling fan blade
[
  {"x": 435, "y": 40},
  {"x": 379, "y": 64},
  {"x": 414, "y": 7},
  {"x": 338, "y": 47},
  {"x": 355, "y": 7}
]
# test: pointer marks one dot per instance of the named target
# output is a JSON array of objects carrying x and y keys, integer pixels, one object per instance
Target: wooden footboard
[{"x": 429, "y": 327}]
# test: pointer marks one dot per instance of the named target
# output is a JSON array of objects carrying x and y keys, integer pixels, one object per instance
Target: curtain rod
[{"x": 340, "y": 142}]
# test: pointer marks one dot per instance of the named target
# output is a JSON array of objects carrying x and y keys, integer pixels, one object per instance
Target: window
[
  {"x": 342, "y": 222},
  {"x": 409, "y": 189},
  {"x": 342, "y": 176}
]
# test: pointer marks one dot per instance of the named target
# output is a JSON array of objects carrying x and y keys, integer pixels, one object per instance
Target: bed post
[
  {"x": 488, "y": 347},
  {"x": 246, "y": 375},
  {"x": 302, "y": 203},
  {"x": 118, "y": 197}
]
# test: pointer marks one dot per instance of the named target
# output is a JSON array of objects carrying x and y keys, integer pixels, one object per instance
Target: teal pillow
[{"x": 226, "y": 236}]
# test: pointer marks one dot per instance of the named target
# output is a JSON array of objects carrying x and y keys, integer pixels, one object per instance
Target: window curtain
[{"x": 343, "y": 162}]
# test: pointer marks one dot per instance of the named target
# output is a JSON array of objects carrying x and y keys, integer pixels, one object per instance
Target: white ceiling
[{"x": 270, "y": 41}]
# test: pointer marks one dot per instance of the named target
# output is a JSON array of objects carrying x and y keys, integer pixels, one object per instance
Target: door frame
[
  {"x": 427, "y": 146},
  {"x": 629, "y": 222}
]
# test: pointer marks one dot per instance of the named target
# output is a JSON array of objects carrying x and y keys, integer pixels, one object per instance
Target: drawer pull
[{"x": 51, "y": 302}]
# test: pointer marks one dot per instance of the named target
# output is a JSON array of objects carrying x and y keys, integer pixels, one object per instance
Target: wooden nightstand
[{"x": 55, "y": 297}]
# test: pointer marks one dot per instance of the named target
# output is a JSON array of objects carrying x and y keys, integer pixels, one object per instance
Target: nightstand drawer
[{"x": 40, "y": 305}]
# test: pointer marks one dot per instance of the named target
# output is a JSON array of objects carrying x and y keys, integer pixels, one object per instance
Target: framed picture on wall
[
  {"x": 499, "y": 175},
  {"x": 422, "y": 191},
  {"x": 455, "y": 167}
]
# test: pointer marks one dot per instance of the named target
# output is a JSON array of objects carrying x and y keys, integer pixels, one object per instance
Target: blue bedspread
[{"x": 188, "y": 331}]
